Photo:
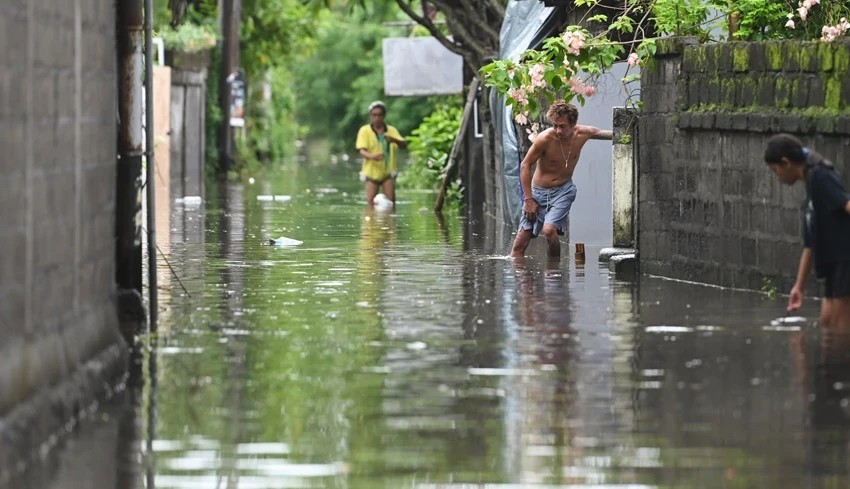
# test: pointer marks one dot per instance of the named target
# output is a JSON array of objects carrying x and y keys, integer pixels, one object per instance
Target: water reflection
[{"x": 399, "y": 350}]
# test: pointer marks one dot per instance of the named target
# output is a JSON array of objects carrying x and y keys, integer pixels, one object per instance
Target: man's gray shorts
[{"x": 554, "y": 205}]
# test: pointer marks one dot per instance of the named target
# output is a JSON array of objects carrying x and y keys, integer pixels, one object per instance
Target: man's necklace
[{"x": 569, "y": 153}]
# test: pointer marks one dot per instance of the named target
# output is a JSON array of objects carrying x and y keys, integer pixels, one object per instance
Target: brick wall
[
  {"x": 57, "y": 173},
  {"x": 709, "y": 209}
]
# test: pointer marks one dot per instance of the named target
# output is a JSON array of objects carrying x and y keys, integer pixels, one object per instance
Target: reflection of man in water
[
  {"x": 549, "y": 340},
  {"x": 825, "y": 386},
  {"x": 377, "y": 231},
  {"x": 541, "y": 296}
]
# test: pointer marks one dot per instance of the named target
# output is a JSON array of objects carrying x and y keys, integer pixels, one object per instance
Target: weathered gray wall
[
  {"x": 709, "y": 209},
  {"x": 188, "y": 96},
  {"x": 61, "y": 345}
]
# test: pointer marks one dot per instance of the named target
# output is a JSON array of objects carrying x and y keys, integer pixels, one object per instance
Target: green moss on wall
[
  {"x": 840, "y": 57},
  {"x": 832, "y": 93},
  {"x": 808, "y": 56},
  {"x": 773, "y": 55},
  {"x": 782, "y": 93},
  {"x": 673, "y": 45},
  {"x": 727, "y": 91},
  {"x": 748, "y": 92},
  {"x": 741, "y": 57},
  {"x": 825, "y": 56}
]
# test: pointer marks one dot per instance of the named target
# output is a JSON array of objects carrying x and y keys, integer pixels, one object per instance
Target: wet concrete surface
[{"x": 399, "y": 350}]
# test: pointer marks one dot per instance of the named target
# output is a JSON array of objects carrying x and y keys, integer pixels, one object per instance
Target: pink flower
[
  {"x": 790, "y": 24},
  {"x": 519, "y": 95},
  {"x": 803, "y": 12},
  {"x": 633, "y": 60},
  {"x": 574, "y": 41},
  {"x": 579, "y": 87},
  {"x": 536, "y": 74},
  {"x": 521, "y": 118}
]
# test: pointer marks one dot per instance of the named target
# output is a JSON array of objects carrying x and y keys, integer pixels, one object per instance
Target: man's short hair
[
  {"x": 560, "y": 109},
  {"x": 784, "y": 146}
]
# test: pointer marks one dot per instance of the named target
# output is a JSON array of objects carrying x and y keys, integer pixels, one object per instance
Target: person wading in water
[
  {"x": 377, "y": 143},
  {"x": 549, "y": 194}
]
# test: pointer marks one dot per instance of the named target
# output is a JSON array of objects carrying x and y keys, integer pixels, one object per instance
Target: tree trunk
[{"x": 474, "y": 27}]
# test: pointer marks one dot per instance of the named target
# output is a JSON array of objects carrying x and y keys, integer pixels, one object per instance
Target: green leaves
[
  {"x": 680, "y": 17},
  {"x": 429, "y": 146}
]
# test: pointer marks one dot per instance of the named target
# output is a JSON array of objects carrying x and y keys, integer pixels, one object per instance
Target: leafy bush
[
  {"x": 429, "y": 146},
  {"x": 189, "y": 37},
  {"x": 757, "y": 20},
  {"x": 680, "y": 17}
]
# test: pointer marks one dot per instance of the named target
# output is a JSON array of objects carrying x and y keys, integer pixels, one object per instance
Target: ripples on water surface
[{"x": 402, "y": 351}]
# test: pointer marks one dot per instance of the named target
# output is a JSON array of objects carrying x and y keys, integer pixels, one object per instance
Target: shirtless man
[{"x": 548, "y": 196}]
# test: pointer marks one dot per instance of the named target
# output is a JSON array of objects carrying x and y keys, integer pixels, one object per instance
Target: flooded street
[{"x": 403, "y": 351}]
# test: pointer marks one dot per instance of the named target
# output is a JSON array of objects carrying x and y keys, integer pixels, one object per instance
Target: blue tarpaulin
[{"x": 526, "y": 25}]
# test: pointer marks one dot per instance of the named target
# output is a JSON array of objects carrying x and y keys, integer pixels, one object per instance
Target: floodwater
[{"x": 404, "y": 351}]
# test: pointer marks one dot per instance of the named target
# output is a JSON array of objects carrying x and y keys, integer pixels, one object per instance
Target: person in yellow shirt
[{"x": 377, "y": 143}]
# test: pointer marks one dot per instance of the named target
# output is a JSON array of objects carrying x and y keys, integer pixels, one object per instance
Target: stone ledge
[
  {"x": 606, "y": 254},
  {"x": 763, "y": 122},
  {"x": 35, "y": 426},
  {"x": 624, "y": 266}
]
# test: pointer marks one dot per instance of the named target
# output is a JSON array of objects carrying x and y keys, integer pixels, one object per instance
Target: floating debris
[{"x": 285, "y": 242}]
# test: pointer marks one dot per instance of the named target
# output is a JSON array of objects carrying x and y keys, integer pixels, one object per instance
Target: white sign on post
[{"x": 420, "y": 66}]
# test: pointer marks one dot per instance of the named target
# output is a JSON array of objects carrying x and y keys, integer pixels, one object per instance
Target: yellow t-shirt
[{"x": 368, "y": 140}]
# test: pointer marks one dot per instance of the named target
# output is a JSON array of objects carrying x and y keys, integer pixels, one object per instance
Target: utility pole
[
  {"x": 128, "y": 222},
  {"x": 230, "y": 27}
]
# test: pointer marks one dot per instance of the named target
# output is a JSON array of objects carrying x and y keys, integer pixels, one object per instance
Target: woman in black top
[{"x": 826, "y": 225}]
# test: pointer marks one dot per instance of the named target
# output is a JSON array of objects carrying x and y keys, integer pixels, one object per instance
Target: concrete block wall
[
  {"x": 709, "y": 209},
  {"x": 61, "y": 344}
]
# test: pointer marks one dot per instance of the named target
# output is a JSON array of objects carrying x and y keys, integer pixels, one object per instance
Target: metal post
[
  {"x": 230, "y": 25},
  {"x": 128, "y": 223},
  {"x": 151, "y": 160}
]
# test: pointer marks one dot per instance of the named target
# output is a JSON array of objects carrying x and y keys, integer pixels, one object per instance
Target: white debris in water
[
  {"x": 282, "y": 241},
  {"x": 382, "y": 202},
  {"x": 262, "y": 449},
  {"x": 788, "y": 320},
  {"x": 276, "y": 198},
  {"x": 417, "y": 345},
  {"x": 189, "y": 200},
  {"x": 174, "y": 350},
  {"x": 376, "y": 370},
  {"x": 500, "y": 372},
  {"x": 708, "y": 327},
  {"x": 668, "y": 329}
]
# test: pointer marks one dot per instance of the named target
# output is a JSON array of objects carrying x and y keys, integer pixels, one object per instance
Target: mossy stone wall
[{"x": 709, "y": 209}]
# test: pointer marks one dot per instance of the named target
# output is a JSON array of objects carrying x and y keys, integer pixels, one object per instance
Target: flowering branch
[{"x": 569, "y": 65}]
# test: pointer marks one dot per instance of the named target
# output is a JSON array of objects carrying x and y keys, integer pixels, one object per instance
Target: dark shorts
[
  {"x": 379, "y": 182},
  {"x": 554, "y": 205},
  {"x": 837, "y": 280}
]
